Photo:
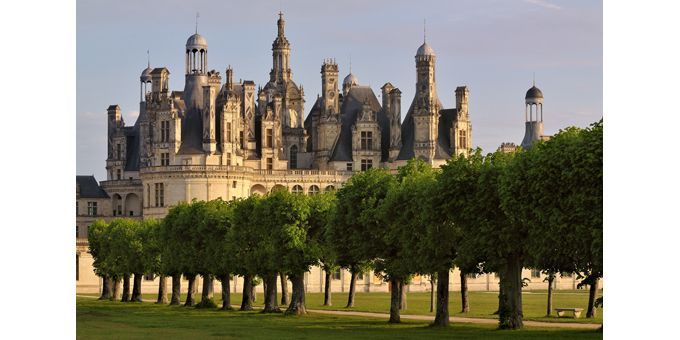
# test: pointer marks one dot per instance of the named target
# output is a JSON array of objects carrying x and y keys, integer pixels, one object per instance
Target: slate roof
[
  {"x": 89, "y": 188},
  {"x": 351, "y": 107},
  {"x": 443, "y": 149},
  {"x": 315, "y": 111}
]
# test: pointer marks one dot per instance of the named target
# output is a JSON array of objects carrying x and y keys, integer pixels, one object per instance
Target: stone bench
[{"x": 576, "y": 312}]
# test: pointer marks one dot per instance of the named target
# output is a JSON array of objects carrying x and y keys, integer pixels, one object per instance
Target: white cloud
[{"x": 543, "y": 4}]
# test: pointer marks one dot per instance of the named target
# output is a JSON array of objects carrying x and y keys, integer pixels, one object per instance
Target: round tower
[{"x": 533, "y": 116}]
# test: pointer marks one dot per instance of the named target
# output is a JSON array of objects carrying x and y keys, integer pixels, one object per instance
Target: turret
[
  {"x": 281, "y": 55},
  {"x": 329, "y": 87},
  {"x": 533, "y": 116},
  {"x": 114, "y": 122},
  {"x": 461, "y": 131},
  {"x": 209, "y": 111}
]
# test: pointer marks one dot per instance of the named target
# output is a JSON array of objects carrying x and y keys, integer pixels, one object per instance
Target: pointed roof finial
[
  {"x": 424, "y": 30},
  {"x": 534, "y": 80},
  {"x": 350, "y": 63},
  {"x": 197, "y": 22}
]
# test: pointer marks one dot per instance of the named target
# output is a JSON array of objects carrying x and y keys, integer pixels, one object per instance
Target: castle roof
[
  {"x": 534, "y": 92},
  {"x": 443, "y": 148},
  {"x": 425, "y": 49},
  {"x": 196, "y": 42},
  {"x": 89, "y": 188}
]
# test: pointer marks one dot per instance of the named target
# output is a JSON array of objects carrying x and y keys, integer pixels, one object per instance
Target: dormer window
[{"x": 366, "y": 140}]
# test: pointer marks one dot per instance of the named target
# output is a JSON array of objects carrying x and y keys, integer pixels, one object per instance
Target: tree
[
  {"x": 98, "y": 249},
  {"x": 170, "y": 242},
  {"x": 242, "y": 237},
  {"x": 357, "y": 227},
  {"x": 327, "y": 255},
  {"x": 152, "y": 255},
  {"x": 217, "y": 226},
  {"x": 562, "y": 205},
  {"x": 179, "y": 233}
]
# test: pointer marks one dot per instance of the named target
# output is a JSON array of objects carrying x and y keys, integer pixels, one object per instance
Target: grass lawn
[
  {"x": 106, "y": 319},
  {"x": 482, "y": 304}
]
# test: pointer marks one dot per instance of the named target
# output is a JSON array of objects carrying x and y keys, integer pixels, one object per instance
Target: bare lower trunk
[
  {"x": 247, "y": 300},
  {"x": 431, "y": 294},
  {"x": 402, "y": 295},
  {"x": 106, "y": 288},
  {"x": 284, "y": 289},
  {"x": 394, "y": 301},
  {"x": 176, "y": 289},
  {"x": 270, "y": 303},
  {"x": 591, "y": 313},
  {"x": 551, "y": 279},
  {"x": 465, "y": 304},
  {"x": 253, "y": 293},
  {"x": 207, "y": 292},
  {"x": 441, "y": 319},
  {"x": 297, "y": 303},
  {"x": 162, "y": 290},
  {"x": 191, "y": 289},
  {"x": 226, "y": 295},
  {"x": 510, "y": 313},
  {"x": 126, "y": 288},
  {"x": 115, "y": 288},
  {"x": 137, "y": 288},
  {"x": 327, "y": 289},
  {"x": 352, "y": 289}
]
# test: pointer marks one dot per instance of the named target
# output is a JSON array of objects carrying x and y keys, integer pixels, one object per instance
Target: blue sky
[{"x": 492, "y": 46}]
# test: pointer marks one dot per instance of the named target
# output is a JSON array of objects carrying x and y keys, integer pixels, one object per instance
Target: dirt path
[{"x": 454, "y": 319}]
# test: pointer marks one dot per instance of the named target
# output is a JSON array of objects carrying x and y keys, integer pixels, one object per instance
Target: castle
[{"x": 231, "y": 140}]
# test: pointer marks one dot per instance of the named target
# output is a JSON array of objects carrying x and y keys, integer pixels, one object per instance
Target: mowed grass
[
  {"x": 482, "y": 304},
  {"x": 115, "y": 320}
]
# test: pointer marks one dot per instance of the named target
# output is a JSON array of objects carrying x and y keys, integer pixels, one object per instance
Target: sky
[{"x": 495, "y": 47}]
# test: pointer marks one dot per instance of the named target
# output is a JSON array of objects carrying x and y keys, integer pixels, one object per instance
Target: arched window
[
  {"x": 293, "y": 157},
  {"x": 313, "y": 190},
  {"x": 329, "y": 188},
  {"x": 298, "y": 190}
]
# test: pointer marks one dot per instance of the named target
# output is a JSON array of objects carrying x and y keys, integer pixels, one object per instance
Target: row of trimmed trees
[{"x": 539, "y": 208}]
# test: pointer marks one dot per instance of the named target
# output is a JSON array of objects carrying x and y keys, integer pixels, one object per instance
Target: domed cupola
[
  {"x": 146, "y": 75},
  {"x": 351, "y": 80},
  {"x": 534, "y": 96},
  {"x": 425, "y": 50},
  {"x": 196, "y": 42},
  {"x": 196, "y": 55}
]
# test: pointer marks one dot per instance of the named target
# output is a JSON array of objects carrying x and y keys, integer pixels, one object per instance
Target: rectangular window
[
  {"x": 462, "y": 139},
  {"x": 535, "y": 273},
  {"x": 92, "y": 208},
  {"x": 118, "y": 151},
  {"x": 241, "y": 141},
  {"x": 165, "y": 131},
  {"x": 233, "y": 184},
  {"x": 165, "y": 158},
  {"x": 160, "y": 202},
  {"x": 366, "y": 164},
  {"x": 366, "y": 140},
  {"x": 118, "y": 174},
  {"x": 149, "y": 277},
  {"x": 229, "y": 158},
  {"x": 228, "y": 134},
  {"x": 270, "y": 164},
  {"x": 360, "y": 276},
  {"x": 336, "y": 275},
  {"x": 119, "y": 210},
  {"x": 269, "y": 141},
  {"x": 349, "y": 166}
]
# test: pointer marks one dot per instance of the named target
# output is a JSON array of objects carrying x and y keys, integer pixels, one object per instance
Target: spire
[
  {"x": 197, "y": 22},
  {"x": 534, "y": 81},
  {"x": 350, "y": 63},
  {"x": 148, "y": 59},
  {"x": 424, "y": 31},
  {"x": 281, "y": 23}
]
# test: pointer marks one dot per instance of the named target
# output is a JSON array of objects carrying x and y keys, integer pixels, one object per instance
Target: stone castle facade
[{"x": 219, "y": 138}]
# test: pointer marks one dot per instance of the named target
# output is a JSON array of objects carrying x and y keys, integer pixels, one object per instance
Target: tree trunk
[
  {"x": 226, "y": 295},
  {"x": 176, "y": 289},
  {"x": 394, "y": 301},
  {"x": 352, "y": 289},
  {"x": 190, "y": 302},
  {"x": 253, "y": 292},
  {"x": 247, "y": 300},
  {"x": 297, "y": 303},
  {"x": 591, "y": 298},
  {"x": 327, "y": 289},
  {"x": 402, "y": 295},
  {"x": 115, "y": 290},
  {"x": 284, "y": 289},
  {"x": 431, "y": 294},
  {"x": 207, "y": 292},
  {"x": 551, "y": 279},
  {"x": 162, "y": 290},
  {"x": 464, "y": 293},
  {"x": 270, "y": 303},
  {"x": 106, "y": 288},
  {"x": 126, "y": 288},
  {"x": 137, "y": 288},
  {"x": 441, "y": 319},
  {"x": 510, "y": 313}
]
